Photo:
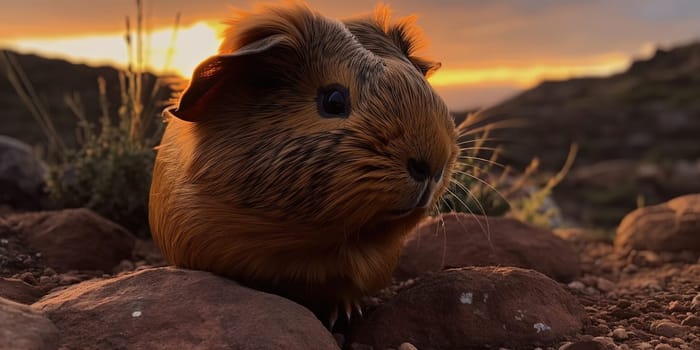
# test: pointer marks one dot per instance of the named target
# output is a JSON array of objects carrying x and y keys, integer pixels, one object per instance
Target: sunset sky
[{"x": 489, "y": 49}]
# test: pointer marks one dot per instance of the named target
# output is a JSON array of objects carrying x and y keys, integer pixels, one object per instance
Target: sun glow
[
  {"x": 529, "y": 75},
  {"x": 192, "y": 44}
]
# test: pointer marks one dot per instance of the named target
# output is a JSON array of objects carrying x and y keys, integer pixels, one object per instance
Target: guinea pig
[{"x": 301, "y": 155}]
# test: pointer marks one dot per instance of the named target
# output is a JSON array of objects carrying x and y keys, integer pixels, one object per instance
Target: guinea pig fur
[{"x": 301, "y": 155}]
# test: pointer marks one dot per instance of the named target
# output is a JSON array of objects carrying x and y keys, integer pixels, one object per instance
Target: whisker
[
  {"x": 503, "y": 124},
  {"x": 469, "y": 210},
  {"x": 488, "y": 161},
  {"x": 486, "y": 184},
  {"x": 481, "y": 207}
]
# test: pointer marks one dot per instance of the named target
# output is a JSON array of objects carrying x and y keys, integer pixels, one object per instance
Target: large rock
[
  {"x": 73, "y": 239},
  {"x": 458, "y": 240},
  {"x": 24, "y": 328},
  {"x": 168, "y": 308},
  {"x": 670, "y": 226},
  {"x": 21, "y": 175},
  {"x": 19, "y": 291},
  {"x": 474, "y": 308}
]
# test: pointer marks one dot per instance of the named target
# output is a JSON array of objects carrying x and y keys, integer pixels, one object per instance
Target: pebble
[
  {"x": 691, "y": 321},
  {"x": 407, "y": 346},
  {"x": 663, "y": 347},
  {"x": 29, "y": 278},
  {"x": 695, "y": 304},
  {"x": 644, "y": 346},
  {"x": 630, "y": 269},
  {"x": 604, "y": 284},
  {"x": 645, "y": 258},
  {"x": 668, "y": 328},
  {"x": 577, "y": 285},
  {"x": 695, "y": 344},
  {"x": 620, "y": 334},
  {"x": 676, "y": 306}
]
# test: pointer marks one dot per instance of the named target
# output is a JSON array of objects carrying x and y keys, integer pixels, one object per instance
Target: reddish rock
[
  {"x": 24, "y": 328},
  {"x": 670, "y": 226},
  {"x": 459, "y": 240},
  {"x": 668, "y": 329},
  {"x": 73, "y": 239},
  {"x": 474, "y": 307},
  {"x": 19, "y": 291},
  {"x": 168, "y": 308}
]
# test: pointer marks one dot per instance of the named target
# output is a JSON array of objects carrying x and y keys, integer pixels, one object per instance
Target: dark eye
[{"x": 334, "y": 102}]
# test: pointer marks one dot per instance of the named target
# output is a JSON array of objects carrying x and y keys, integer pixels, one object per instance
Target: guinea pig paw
[{"x": 350, "y": 308}]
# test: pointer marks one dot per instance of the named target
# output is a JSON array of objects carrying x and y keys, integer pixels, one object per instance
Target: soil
[{"x": 642, "y": 300}]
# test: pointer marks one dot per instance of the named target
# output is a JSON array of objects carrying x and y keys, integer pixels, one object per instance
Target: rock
[
  {"x": 21, "y": 175},
  {"x": 620, "y": 334},
  {"x": 464, "y": 240},
  {"x": 168, "y": 308},
  {"x": 23, "y": 328},
  {"x": 19, "y": 291},
  {"x": 691, "y": 321},
  {"x": 670, "y": 226},
  {"x": 584, "y": 345},
  {"x": 474, "y": 307},
  {"x": 73, "y": 239},
  {"x": 668, "y": 329}
]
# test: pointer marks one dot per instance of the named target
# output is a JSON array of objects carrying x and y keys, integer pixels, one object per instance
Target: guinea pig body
[{"x": 301, "y": 155}]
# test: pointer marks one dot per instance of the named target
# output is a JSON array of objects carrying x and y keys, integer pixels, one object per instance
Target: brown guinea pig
[{"x": 300, "y": 155}]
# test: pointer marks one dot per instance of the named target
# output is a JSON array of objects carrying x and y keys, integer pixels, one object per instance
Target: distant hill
[
  {"x": 650, "y": 112},
  {"x": 54, "y": 79},
  {"x": 638, "y": 132}
]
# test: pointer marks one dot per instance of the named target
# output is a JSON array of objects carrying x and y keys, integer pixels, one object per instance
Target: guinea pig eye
[{"x": 334, "y": 102}]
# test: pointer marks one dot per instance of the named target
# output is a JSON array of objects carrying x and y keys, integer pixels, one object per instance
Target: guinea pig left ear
[
  {"x": 408, "y": 38},
  {"x": 213, "y": 72}
]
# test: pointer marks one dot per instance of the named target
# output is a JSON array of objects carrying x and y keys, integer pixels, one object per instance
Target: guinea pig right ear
[{"x": 212, "y": 73}]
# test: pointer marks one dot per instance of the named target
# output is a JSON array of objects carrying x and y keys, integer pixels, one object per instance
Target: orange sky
[{"x": 489, "y": 49}]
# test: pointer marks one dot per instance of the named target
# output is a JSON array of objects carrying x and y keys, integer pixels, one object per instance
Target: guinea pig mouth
[{"x": 421, "y": 203}]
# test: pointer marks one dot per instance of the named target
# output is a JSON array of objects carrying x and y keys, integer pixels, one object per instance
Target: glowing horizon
[{"x": 196, "y": 42}]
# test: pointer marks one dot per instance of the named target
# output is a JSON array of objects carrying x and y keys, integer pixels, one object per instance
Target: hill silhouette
[
  {"x": 54, "y": 80},
  {"x": 638, "y": 132}
]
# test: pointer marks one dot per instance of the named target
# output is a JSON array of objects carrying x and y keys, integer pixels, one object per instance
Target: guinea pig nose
[{"x": 418, "y": 169}]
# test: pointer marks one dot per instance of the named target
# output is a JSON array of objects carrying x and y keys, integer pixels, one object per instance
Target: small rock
[
  {"x": 28, "y": 278},
  {"x": 584, "y": 345},
  {"x": 19, "y": 291},
  {"x": 676, "y": 306},
  {"x": 73, "y": 239},
  {"x": 668, "y": 328},
  {"x": 21, "y": 175},
  {"x": 620, "y": 334},
  {"x": 644, "y": 346},
  {"x": 183, "y": 309},
  {"x": 670, "y": 226},
  {"x": 646, "y": 258},
  {"x": 577, "y": 285},
  {"x": 695, "y": 303},
  {"x": 663, "y": 347},
  {"x": 457, "y": 240},
  {"x": 523, "y": 307},
  {"x": 407, "y": 346},
  {"x": 605, "y": 285},
  {"x": 23, "y": 328},
  {"x": 691, "y": 321}
]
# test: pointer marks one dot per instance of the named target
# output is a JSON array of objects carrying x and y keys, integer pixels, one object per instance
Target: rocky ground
[{"x": 74, "y": 280}]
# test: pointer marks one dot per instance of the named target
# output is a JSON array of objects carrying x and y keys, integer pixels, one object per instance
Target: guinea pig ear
[
  {"x": 409, "y": 38},
  {"x": 210, "y": 75}
]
